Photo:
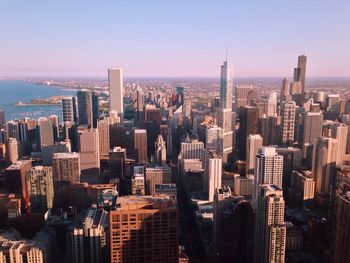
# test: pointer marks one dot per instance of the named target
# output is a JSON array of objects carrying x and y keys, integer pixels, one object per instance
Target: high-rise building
[
  {"x": 45, "y": 134},
  {"x": 138, "y": 103},
  {"x": 40, "y": 188},
  {"x": 342, "y": 228},
  {"x": 55, "y": 127},
  {"x": 116, "y": 90},
  {"x": 12, "y": 130},
  {"x": 268, "y": 128},
  {"x": 192, "y": 149},
  {"x": 323, "y": 163},
  {"x": 68, "y": 109},
  {"x": 15, "y": 177},
  {"x": 244, "y": 95},
  {"x": 156, "y": 175},
  {"x": 292, "y": 159},
  {"x": 87, "y": 238},
  {"x": 12, "y": 151},
  {"x": 288, "y": 122},
  {"x": 103, "y": 136},
  {"x": 214, "y": 139},
  {"x": 160, "y": 150},
  {"x": 254, "y": 143},
  {"x": 248, "y": 125},
  {"x": 89, "y": 151},
  {"x": 212, "y": 173},
  {"x": 117, "y": 158},
  {"x": 268, "y": 170},
  {"x": 140, "y": 145},
  {"x": 270, "y": 229},
  {"x": 339, "y": 131},
  {"x": 95, "y": 109},
  {"x": 66, "y": 167},
  {"x": 85, "y": 107},
  {"x": 2, "y": 118},
  {"x": 225, "y": 112},
  {"x": 138, "y": 181},
  {"x": 300, "y": 72},
  {"x": 179, "y": 96},
  {"x": 312, "y": 123},
  {"x": 285, "y": 91},
  {"x": 144, "y": 229},
  {"x": 272, "y": 105}
]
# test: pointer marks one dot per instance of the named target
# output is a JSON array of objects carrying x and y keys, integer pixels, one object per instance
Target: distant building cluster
[{"x": 147, "y": 175}]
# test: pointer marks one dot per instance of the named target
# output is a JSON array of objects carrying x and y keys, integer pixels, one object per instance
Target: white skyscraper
[
  {"x": 270, "y": 229},
  {"x": 115, "y": 80},
  {"x": 212, "y": 173},
  {"x": 272, "y": 105},
  {"x": 225, "y": 112},
  {"x": 160, "y": 150},
  {"x": 254, "y": 143},
  {"x": 268, "y": 170}
]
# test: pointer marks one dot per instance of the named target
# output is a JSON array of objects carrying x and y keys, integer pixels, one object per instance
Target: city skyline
[{"x": 175, "y": 40}]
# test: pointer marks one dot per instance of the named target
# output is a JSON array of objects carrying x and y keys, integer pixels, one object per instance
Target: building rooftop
[{"x": 144, "y": 202}]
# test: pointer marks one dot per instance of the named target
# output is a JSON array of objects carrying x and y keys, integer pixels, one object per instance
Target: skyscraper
[
  {"x": 323, "y": 163},
  {"x": 225, "y": 113},
  {"x": 68, "y": 108},
  {"x": 103, "y": 136},
  {"x": 115, "y": 81},
  {"x": 268, "y": 170},
  {"x": 117, "y": 158},
  {"x": 179, "y": 96},
  {"x": 44, "y": 133},
  {"x": 160, "y": 150},
  {"x": 85, "y": 107},
  {"x": 212, "y": 173},
  {"x": 192, "y": 149},
  {"x": 89, "y": 151},
  {"x": 312, "y": 123},
  {"x": 244, "y": 94},
  {"x": 2, "y": 118},
  {"x": 270, "y": 229},
  {"x": 138, "y": 103},
  {"x": 144, "y": 229},
  {"x": 140, "y": 145},
  {"x": 12, "y": 151},
  {"x": 272, "y": 105},
  {"x": 214, "y": 139},
  {"x": 285, "y": 91},
  {"x": 248, "y": 125},
  {"x": 300, "y": 72},
  {"x": 339, "y": 131},
  {"x": 254, "y": 143},
  {"x": 288, "y": 122},
  {"x": 40, "y": 188}
]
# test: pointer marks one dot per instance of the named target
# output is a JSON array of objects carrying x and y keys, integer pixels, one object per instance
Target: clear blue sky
[{"x": 173, "y": 38}]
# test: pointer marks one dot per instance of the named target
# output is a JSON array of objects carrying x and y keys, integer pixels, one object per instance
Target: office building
[
  {"x": 45, "y": 134},
  {"x": 288, "y": 109},
  {"x": 272, "y": 105},
  {"x": 40, "y": 185},
  {"x": 214, "y": 139},
  {"x": 179, "y": 96},
  {"x": 12, "y": 151},
  {"x": 248, "y": 125},
  {"x": 103, "y": 137},
  {"x": 312, "y": 123},
  {"x": 55, "y": 127},
  {"x": 138, "y": 184},
  {"x": 268, "y": 128},
  {"x": 254, "y": 143},
  {"x": 87, "y": 239},
  {"x": 285, "y": 91},
  {"x": 138, "y": 103},
  {"x": 244, "y": 95},
  {"x": 116, "y": 91},
  {"x": 192, "y": 149},
  {"x": 212, "y": 173},
  {"x": 85, "y": 107},
  {"x": 300, "y": 72},
  {"x": 270, "y": 229},
  {"x": 12, "y": 130},
  {"x": 156, "y": 175},
  {"x": 323, "y": 163},
  {"x": 68, "y": 109},
  {"x": 117, "y": 158},
  {"x": 160, "y": 150},
  {"x": 339, "y": 131},
  {"x": 66, "y": 167},
  {"x": 89, "y": 151},
  {"x": 15, "y": 177},
  {"x": 140, "y": 145},
  {"x": 2, "y": 119},
  {"x": 303, "y": 182},
  {"x": 144, "y": 229},
  {"x": 268, "y": 170},
  {"x": 167, "y": 190}
]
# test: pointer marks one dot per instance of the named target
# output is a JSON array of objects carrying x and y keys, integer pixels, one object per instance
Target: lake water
[{"x": 14, "y": 91}]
